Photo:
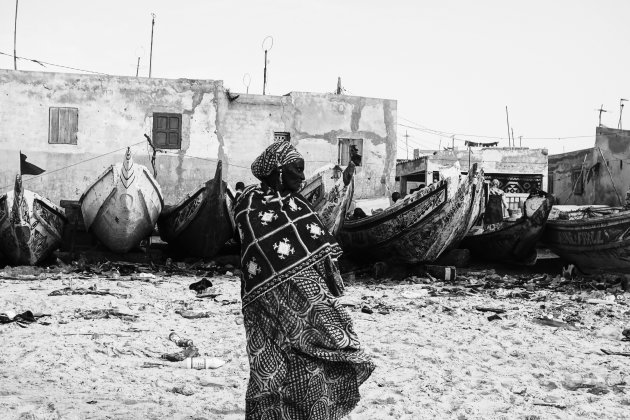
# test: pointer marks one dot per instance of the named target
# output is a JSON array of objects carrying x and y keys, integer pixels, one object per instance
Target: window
[
  {"x": 62, "y": 125},
  {"x": 343, "y": 156},
  {"x": 167, "y": 130},
  {"x": 281, "y": 136},
  {"x": 577, "y": 182}
]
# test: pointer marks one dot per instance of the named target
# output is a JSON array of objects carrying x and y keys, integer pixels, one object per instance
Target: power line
[
  {"x": 425, "y": 129},
  {"x": 42, "y": 63}
]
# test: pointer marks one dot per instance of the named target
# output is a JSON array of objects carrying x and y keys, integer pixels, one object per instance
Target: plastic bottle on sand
[
  {"x": 201, "y": 363},
  {"x": 181, "y": 342}
]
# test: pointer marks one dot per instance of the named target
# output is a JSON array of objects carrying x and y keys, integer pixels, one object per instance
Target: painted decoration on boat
[
  {"x": 200, "y": 224},
  {"x": 421, "y": 226},
  {"x": 122, "y": 206},
  {"x": 30, "y": 226},
  {"x": 595, "y": 239}
]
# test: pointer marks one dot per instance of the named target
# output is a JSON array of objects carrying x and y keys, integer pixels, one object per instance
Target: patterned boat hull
[
  {"x": 200, "y": 224},
  {"x": 420, "y": 228},
  {"x": 512, "y": 242},
  {"x": 31, "y": 226},
  {"x": 122, "y": 206},
  {"x": 594, "y": 244},
  {"x": 331, "y": 206}
]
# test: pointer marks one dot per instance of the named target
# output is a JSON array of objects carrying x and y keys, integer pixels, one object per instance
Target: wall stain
[
  {"x": 390, "y": 145},
  {"x": 356, "y": 114}
]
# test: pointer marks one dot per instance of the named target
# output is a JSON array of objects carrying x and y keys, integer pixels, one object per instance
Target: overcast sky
[{"x": 453, "y": 65}]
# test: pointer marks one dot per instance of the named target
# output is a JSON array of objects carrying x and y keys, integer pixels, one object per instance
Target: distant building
[
  {"x": 518, "y": 169},
  {"x": 599, "y": 175},
  {"x": 76, "y": 125}
]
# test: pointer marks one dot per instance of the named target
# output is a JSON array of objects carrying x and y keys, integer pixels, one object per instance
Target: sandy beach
[{"x": 437, "y": 353}]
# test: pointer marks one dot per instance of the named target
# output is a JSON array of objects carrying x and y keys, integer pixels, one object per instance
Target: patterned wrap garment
[{"x": 305, "y": 357}]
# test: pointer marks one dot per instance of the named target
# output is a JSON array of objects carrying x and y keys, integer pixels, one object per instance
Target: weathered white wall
[
  {"x": 115, "y": 112},
  {"x": 315, "y": 123},
  {"x": 605, "y": 170}
]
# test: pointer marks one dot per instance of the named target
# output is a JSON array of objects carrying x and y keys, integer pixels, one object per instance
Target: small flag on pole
[{"x": 27, "y": 168}]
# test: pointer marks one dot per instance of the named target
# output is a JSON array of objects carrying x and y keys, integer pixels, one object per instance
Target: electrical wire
[{"x": 41, "y": 63}]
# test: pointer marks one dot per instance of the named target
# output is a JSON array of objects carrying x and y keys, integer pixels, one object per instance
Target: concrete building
[
  {"x": 76, "y": 125},
  {"x": 599, "y": 175},
  {"x": 518, "y": 169}
]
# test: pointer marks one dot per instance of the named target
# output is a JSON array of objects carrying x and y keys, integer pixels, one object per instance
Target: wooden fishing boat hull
[
  {"x": 30, "y": 237},
  {"x": 331, "y": 206},
  {"x": 419, "y": 229},
  {"x": 313, "y": 190},
  {"x": 122, "y": 206},
  {"x": 512, "y": 242},
  {"x": 594, "y": 245},
  {"x": 200, "y": 224}
]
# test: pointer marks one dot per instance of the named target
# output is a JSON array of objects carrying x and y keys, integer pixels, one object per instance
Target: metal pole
[
  {"x": 507, "y": 116},
  {"x": 266, "y": 46},
  {"x": 265, "y": 73},
  {"x": 151, "y": 52},
  {"x": 138, "y": 67},
  {"x": 15, "y": 37}
]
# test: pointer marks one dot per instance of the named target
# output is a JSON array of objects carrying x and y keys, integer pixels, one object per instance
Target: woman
[
  {"x": 305, "y": 358},
  {"x": 496, "y": 204}
]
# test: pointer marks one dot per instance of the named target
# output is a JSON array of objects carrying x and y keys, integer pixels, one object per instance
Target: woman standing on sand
[{"x": 305, "y": 358}]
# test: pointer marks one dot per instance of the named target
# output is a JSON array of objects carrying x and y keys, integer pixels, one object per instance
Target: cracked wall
[
  {"x": 114, "y": 112},
  {"x": 315, "y": 123},
  {"x": 605, "y": 170}
]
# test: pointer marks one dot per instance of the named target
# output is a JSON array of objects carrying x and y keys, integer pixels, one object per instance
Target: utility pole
[
  {"x": 15, "y": 37},
  {"x": 513, "y": 141},
  {"x": 339, "y": 87},
  {"x": 453, "y": 143},
  {"x": 151, "y": 51},
  {"x": 265, "y": 69},
  {"x": 621, "y": 101},
  {"x": 406, "y": 136},
  {"x": 507, "y": 116},
  {"x": 138, "y": 67},
  {"x": 520, "y": 141},
  {"x": 601, "y": 109}
]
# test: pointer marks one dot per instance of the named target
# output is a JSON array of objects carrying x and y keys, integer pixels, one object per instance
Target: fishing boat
[
  {"x": 313, "y": 190},
  {"x": 331, "y": 205},
  {"x": 31, "y": 226},
  {"x": 420, "y": 227},
  {"x": 594, "y": 238},
  {"x": 122, "y": 206},
  {"x": 512, "y": 241},
  {"x": 199, "y": 225}
]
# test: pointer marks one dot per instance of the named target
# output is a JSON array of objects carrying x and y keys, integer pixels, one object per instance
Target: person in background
[
  {"x": 240, "y": 186},
  {"x": 395, "y": 196},
  {"x": 497, "y": 204},
  {"x": 358, "y": 214},
  {"x": 305, "y": 358}
]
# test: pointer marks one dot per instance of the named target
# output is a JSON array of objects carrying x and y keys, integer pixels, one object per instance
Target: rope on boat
[
  {"x": 153, "y": 155},
  {"x": 74, "y": 164}
]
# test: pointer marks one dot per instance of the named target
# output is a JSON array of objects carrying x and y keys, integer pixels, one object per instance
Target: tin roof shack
[
  {"x": 599, "y": 175},
  {"x": 76, "y": 125},
  {"x": 517, "y": 169}
]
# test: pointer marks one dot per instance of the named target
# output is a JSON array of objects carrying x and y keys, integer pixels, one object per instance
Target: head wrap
[{"x": 277, "y": 154}]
